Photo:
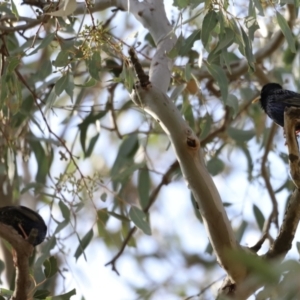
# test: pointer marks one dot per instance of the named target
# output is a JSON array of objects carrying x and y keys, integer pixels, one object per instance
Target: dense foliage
[{"x": 75, "y": 147}]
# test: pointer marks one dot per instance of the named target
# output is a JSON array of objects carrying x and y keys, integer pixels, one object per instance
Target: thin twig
[
  {"x": 110, "y": 105},
  {"x": 90, "y": 13},
  {"x": 62, "y": 142},
  {"x": 266, "y": 176},
  {"x": 205, "y": 289},
  {"x": 226, "y": 122},
  {"x": 30, "y": 23},
  {"x": 274, "y": 213},
  {"x": 164, "y": 181}
]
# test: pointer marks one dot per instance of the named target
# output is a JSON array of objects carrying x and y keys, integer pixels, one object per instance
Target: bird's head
[{"x": 267, "y": 90}]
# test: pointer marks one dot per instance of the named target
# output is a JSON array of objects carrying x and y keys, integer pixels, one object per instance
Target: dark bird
[
  {"x": 274, "y": 99},
  {"x": 23, "y": 220}
]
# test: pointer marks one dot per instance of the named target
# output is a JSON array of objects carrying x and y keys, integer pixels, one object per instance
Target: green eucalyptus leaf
[
  {"x": 220, "y": 76},
  {"x": 94, "y": 65},
  {"x": 209, "y": 23},
  {"x": 61, "y": 84},
  {"x": 44, "y": 43},
  {"x": 233, "y": 102},
  {"x": 51, "y": 267},
  {"x": 64, "y": 210},
  {"x": 13, "y": 62},
  {"x": 225, "y": 39},
  {"x": 259, "y": 7},
  {"x": 260, "y": 219},
  {"x": 41, "y": 294},
  {"x": 241, "y": 135},
  {"x": 215, "y": 166},
  {"x": 62, "y": 59},
  {"x": 91, "y": 118},
  {"x": 240, "y": 231},
  {"x": 140, "y": 219},
  {"x": 125, "y": 155},
  {"x": 66, "y": 296},
  {"x": 14, "y": 9},
  {"x": 83, "y": 243},
  {"x": 118, "y": 216},
  {"x": 144, "y": 187},
  {"x": 189, "y": 42},
  {"x": 248, "y": 49},
  {"x": 102, "y": 219},
  {"x": 286, "y": 30}
]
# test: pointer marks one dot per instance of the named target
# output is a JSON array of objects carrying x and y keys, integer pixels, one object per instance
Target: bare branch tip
[{"x": 142, "y": 76}]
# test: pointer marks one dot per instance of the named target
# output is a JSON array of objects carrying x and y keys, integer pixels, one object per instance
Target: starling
[
  {"x": 23, "y": 220},
  {"x": 274, "y": 99}
]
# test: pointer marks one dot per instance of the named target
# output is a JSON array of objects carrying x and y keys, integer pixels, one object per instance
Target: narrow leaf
[
  {"x": 286, "y": 30},
  {"x": 118, "y": 216},
  {"x": 102, "y": 219},
  {"x": 209, "y": 23},
  {"x": 241, "y": 230},
  {"x": 248, "y": 49},
  {"x": 94, "y": 65},
  {"x": 219, "y": 75},
  {"x": 126, "y": 152},
  {"x": 91, "y": 145},
  {"x": 61, "y": 84},
  {"x": 66, "y": 296},
  {"x": 139, "y": 218},
  {"x": 70, "y": 85},
  {"x": 259, "y": 7},
  {"x": 83, "y": 127},
  {"x": 41, "y": 294},
  {"x": 189, "y": 42},
  {"x": 14, "y": 9},
  {"x": 144, "y": 187},
  {"x": 44, "y": 43},
  {"x": 60, "y": 226},
  {"x": 260, "y": 219},
  {"x": 83, "y": 243},
  {"x": 13, "y": 62},
  {"x": 50, "y": 267},
  {"x": 233, "y": 102},
  {"x": 241, "y": 135},
  {"x": 225, "y": 39},
  {"x": 62, "y": 59},
  {"x": 64, "y": 210}
]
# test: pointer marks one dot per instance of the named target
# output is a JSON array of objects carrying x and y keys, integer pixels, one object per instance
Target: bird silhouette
[
  {"x": 274, "y": 99},
  {"x": 23, "y": 220}
]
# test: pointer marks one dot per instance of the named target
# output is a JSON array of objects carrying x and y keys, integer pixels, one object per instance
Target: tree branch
[
  {"x": 30, "y": 23},
  {"x": 283, "y": 242},
  {"x": 154, "y": 101},
  {"x": 23, "y": 251},
  {"x": 190, "y": 157}
]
